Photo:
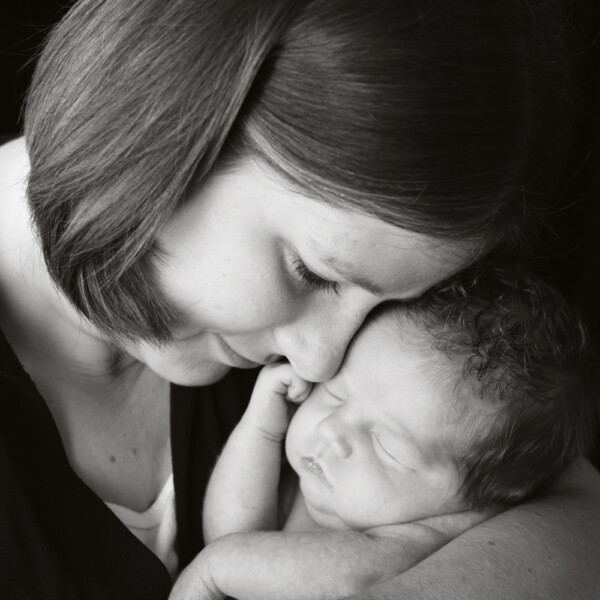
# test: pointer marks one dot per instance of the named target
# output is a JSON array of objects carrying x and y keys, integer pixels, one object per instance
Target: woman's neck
[
  {"x": 44, "y": 329},
  {"x": 112, "y": 412}
]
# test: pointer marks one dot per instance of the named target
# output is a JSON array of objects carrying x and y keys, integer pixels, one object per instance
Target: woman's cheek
[
  {"x": 252, "y": 301},
  {"x": 268, "y": 294}
]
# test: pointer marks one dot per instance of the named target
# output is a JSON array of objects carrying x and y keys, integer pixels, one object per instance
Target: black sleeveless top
[{"x": 58, "y": 540}]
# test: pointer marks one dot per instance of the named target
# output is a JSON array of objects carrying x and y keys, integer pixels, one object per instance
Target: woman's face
[{"x": 259, "y": 272}]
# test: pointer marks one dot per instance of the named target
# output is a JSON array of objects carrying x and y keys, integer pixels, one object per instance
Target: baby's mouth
[
  {"x": 310, "y": 464},
  {"x": 312, "y": 467}
]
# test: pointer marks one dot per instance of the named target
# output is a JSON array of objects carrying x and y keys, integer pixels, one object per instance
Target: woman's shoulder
[
  {"x": 14, "y": 167},
  {"x": 13, "y": 157}
]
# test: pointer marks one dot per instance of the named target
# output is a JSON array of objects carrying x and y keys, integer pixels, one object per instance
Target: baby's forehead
[
  {"x": 399, "y": 331},
  {"x": 397, "y": 334},
  {"x": 413, "y": 361},
  {"x": 392, "y": 322}
]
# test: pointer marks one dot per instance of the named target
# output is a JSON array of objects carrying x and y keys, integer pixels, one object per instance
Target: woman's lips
[{"x": 236, "y": 359}]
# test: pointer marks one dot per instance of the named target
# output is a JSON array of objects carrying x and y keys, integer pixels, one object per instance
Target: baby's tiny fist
[{"x": 299, "y": 390}]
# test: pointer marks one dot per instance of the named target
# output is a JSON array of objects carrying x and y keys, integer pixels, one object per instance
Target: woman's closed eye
[{"x": 310, "y": 281}]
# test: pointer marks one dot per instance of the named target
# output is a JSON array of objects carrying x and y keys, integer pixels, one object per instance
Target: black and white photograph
[{"x": 298, "y": 300}]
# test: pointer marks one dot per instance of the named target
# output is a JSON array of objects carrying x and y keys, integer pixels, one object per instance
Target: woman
[{"x": 217, "y": 184}]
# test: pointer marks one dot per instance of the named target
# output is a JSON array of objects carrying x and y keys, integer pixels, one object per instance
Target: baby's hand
[{"x": 269, "y": 410}]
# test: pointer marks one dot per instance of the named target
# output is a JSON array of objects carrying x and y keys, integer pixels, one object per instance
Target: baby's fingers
[{"x": 298, "y": 390}]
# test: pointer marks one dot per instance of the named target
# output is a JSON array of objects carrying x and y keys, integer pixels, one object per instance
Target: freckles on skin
[
  {"x": 420, "y": 262},
  {"x": 363, "y": 240},
  {"x": 232, "y": 246},
  {"x": 227, "y": 267}
]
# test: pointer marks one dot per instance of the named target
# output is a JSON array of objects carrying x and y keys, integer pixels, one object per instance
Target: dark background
[
  {"x": 23, "y": 24},
  {"x": 576, "y": 265}
]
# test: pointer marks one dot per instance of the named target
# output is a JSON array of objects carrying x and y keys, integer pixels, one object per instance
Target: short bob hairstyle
[{"x": 447, "y": 118}]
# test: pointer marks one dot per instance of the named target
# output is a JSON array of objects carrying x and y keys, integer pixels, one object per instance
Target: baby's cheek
[
  {"x": 365, "y": 488},
  {"x": 292, "y": 449},
  {"x": 301, "y": 438}
]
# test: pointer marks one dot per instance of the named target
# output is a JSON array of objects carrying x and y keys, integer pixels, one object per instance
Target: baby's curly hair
[{"x": 526, "y": 355}]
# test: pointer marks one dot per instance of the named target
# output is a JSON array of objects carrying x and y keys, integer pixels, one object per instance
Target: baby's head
[{"x": 480, "y": 393}]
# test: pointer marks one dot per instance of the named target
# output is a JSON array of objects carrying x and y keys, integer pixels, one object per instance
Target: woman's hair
[
  {"x": 523, "y": 375},
  {"x": 448, "y": 118}
]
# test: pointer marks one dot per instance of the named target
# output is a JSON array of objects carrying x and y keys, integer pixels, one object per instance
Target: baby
[{"x": 444, "y": 411}]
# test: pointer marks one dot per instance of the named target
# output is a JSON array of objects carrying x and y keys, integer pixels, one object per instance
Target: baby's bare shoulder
[{"x": 437, "y": 529}]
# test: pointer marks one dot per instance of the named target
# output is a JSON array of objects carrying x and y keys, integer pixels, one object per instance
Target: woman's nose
[
  {"x": 330, "y": 431},
  {"x": 315, "y": 345},
  {"x": 321, "y": 360}
]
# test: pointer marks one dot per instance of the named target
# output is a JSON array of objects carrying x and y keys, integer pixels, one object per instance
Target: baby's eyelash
[
  {"x": 378, "y": 442},
  {"x": 311, "y": 281}
]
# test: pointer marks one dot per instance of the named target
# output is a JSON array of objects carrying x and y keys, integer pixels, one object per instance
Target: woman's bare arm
[
  {"x": 324, "y": 564},
  {"x": 547, "y": 548}
]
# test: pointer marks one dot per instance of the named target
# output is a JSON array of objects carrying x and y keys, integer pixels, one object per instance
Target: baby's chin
[
  {"x": 326, "y": 520},
  {"x": 324, "y": 515}
]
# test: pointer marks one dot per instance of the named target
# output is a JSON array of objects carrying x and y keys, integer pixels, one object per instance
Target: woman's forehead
[
  {"x": 386, "y": 260},
  {"x": 332, "y": 223},
  {"x": 338, "y": 241}
]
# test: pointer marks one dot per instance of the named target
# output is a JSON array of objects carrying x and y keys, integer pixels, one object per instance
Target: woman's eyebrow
[{"x": 346, "y": 271}]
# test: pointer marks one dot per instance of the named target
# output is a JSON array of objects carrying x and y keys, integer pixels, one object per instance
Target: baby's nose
[{"x": 330, "y": 432}]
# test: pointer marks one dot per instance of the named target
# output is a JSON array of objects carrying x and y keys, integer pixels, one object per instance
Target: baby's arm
[
  {"x": 318, "y": 564},
  {"x": 242, "y": 494}
]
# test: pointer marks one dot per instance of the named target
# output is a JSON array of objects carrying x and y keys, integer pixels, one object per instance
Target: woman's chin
[
  {"x": 181, "y": 370},
  {"x": 182, "y": 364},
  {"x": 200, "y": 375}
]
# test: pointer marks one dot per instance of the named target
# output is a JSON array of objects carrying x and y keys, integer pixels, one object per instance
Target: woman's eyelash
[{"x": 311, "y": 281}]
